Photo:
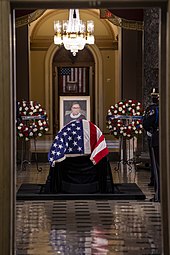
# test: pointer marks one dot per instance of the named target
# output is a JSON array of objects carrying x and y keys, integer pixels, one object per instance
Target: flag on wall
[
  {"x": 78, "y": 138},
  {"x": 77, "y": 75}
]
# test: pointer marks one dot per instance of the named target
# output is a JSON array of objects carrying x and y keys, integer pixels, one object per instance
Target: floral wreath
[
  {"x": 124, "y": 119},
  {"x": 32, "y": 121}
]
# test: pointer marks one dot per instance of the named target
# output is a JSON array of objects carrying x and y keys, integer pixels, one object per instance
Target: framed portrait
[{"x": 74, "y": 108}]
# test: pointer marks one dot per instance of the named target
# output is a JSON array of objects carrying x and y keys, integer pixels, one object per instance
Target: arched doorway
[{"x": 73, "y": 77}]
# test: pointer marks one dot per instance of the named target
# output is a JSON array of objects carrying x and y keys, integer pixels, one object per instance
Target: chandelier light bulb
[{"x": 73, "y": 33}]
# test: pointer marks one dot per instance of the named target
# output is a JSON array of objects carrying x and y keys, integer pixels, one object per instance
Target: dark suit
[{"x": 151, "y": 124}]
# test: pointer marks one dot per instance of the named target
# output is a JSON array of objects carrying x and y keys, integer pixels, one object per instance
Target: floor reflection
[{"x": 101, "y": 227}]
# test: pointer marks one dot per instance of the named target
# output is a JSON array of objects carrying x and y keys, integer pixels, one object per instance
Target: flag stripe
[
  {"x": 86, "y": 129},
  {"x": 100, "y": 150},
  {"x": 93, "y": 136}
]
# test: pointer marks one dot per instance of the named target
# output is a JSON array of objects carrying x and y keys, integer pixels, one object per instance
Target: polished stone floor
[{"x": 81, "y": 227}]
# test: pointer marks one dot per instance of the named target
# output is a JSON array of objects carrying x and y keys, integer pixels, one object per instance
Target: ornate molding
[
  {"x": 120, "y": 22},
  {"x": 27, "y": 19}
]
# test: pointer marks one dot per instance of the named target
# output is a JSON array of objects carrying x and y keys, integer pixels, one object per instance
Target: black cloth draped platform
[{"x": 79, "y": 175}]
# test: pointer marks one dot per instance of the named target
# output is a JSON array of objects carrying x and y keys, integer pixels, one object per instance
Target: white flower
[
  {"x": 35, "y": 129},
  {"x": 46, "y": 129},
  {"x": 109, "y": 113},
  {"x": 116, "y": 105},
  {"x": 128, "y": 135},
  {"x": 123, "y": 112},
  {"x": 129, "y": 127},
  {"x": 36, "y": 106},
  {"x": 140, "y": 126},
  {"x": 21, "y": 135},
  {"x": 127, "y": 104},
  {"x": 31, "y": 134},
  {"x": 121, "y": 128},
  {"x": 138, "y": 113},
  {"x": 24, "y": 104},
  {"x": 112, "y": 107},
  {"x": 124, "y": 106},
  {"x": 39, "y": 134},
  {"x": 20, "y": 109},
  {"x": 121, "y": 131},
  {"x": 130, "y": 108},
  {"x": 138, "y": 108},
  {"x": 130, "y": 101},
  {"x": 26, "y": 108},
  {"x": 110, "y": 126},
  {"x": 34, "y": 110},
  {"x": 19, "y": 127},
  {"x": 124, "y": 134},
  {"x": 136, "y": 132},
  {"x": 120, "y": 109},
  {"x": 26, "y": 139},
  {"x": 115, "y": 133},
  {"x": 134, "y": 128},
  {"x": 31, "y": 113},
  {"x": 140, "y": 131},
  {"x": 41, "y": 128},
  {"x": 115, "y": 111}
]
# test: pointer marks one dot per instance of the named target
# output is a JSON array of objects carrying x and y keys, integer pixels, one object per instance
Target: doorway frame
[{"x": 163, "y": 84}]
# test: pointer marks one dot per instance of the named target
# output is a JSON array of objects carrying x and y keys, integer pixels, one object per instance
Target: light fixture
[{"x": 74, "y": 33}]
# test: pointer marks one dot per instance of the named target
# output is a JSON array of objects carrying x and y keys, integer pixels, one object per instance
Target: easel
[
  {"x": 25, "y": 162},
  {"x": 127, "y": 149}
]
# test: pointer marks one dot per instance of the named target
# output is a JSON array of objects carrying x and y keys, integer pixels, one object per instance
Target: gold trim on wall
[
  {"x": 120, "y": 22},
  {"x": 27, "y": 19}
]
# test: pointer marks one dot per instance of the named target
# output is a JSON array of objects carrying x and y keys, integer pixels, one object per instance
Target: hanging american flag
[
  {"x": 77, "y": 75},
  {"x": 78, "y": 138}
]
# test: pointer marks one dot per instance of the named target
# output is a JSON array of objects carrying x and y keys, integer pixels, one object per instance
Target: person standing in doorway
[{"x": 151, "y": 125}]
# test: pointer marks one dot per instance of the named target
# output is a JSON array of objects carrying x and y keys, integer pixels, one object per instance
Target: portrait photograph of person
[{"x": 74, "y": 108}]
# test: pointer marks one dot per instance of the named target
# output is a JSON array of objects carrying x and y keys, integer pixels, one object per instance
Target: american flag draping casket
[{"x": 78, "y": 138}]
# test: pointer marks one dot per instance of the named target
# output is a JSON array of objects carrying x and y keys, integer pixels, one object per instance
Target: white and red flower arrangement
[
  {"x": 32, "y": 121},
  {"x": 124, "y": 119}
]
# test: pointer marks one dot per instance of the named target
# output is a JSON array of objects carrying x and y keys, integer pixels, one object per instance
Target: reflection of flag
[
  {"x": 77, "y": 138},
  {"x": 77, "y": 75}
]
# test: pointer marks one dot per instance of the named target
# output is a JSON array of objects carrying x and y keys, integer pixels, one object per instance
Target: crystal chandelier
[{"x": 74, "y": 33}]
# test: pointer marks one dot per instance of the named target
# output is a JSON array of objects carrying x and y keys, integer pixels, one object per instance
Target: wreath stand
[
  {"x": 25, "y": 162},
  {"x": 127, "y": 149}
]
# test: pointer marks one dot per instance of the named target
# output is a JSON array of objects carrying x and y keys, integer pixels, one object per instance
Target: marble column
[
  {"x": 151, "y": 52},
  {"x": 7, "y": 165},
  {"x": 151, "y": 57}
]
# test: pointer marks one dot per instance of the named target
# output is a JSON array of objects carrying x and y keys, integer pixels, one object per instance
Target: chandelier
[{"x": 74, "y": 33}]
